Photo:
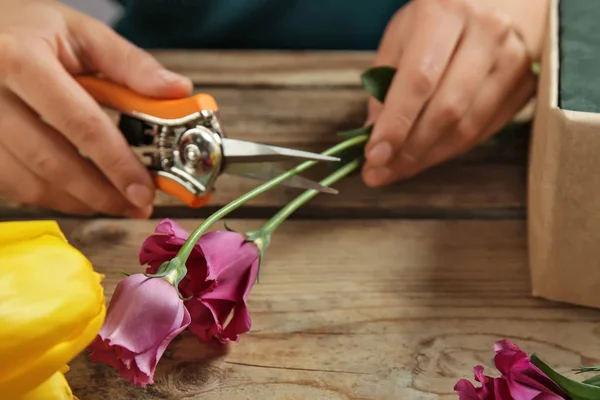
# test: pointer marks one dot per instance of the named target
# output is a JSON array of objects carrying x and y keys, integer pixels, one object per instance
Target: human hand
[
  {"x": 463, "y": 72},
  {"x": 43, "y": 43}
]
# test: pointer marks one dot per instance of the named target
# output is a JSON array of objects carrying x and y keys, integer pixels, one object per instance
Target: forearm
[{"x": 530, "y": 18}]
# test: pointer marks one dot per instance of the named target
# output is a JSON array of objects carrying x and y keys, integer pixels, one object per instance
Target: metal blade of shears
[
  {"x": 266, "y": 172},
  {"x": 241, "y": 151}
]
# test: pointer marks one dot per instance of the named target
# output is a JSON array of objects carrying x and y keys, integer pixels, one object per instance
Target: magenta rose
[
  {"x": 143, "y": 317},
  {"x": 163, "y": 245},
  {"x": 222, "y": 270},
  {"x": 520, "y": 380}
]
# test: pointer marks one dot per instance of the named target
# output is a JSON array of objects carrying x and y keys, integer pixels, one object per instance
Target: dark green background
[
  {"x": 257, "y": 24},
  {"x": 579, "y": 87},
  {"x": 339, "y": 25}
]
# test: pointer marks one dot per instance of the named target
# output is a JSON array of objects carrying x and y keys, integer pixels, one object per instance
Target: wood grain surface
[
  {"x": 354, "y": 310},
  {"x": 302, "y": 99}
]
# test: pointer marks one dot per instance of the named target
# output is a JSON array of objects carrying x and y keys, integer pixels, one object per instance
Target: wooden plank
[
  {"x": 486, "y": 181},
  {"x": 408, "y": 312},
  {"x": 269, "y": 68}
]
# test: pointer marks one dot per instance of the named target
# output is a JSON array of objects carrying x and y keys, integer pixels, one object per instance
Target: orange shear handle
[
  {"x": 174, "y": 189},
  {"x": 120, "y": 98},
  {"x": 112, "y": 95}
]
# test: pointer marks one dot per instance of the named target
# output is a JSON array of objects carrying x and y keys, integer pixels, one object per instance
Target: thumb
[{"x": 106, "y": 52}]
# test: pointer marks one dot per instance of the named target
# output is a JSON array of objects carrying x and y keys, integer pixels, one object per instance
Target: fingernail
[
  {"x": 380, "y": 154},
  {"x": 139, "y": 195},
  {"x": 171, "y": 77},
  {"x": 377, "y": 176}
]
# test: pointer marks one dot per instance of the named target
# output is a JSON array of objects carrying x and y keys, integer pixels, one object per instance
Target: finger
[
  {"x": 397, "y": 33},
  {"x": 107, "y": 52},
  {"x": 470, "y": 66},
  {"x": 514, "y": 105},
  {"x": 389, "y": 51},
  {"x": 39, "y": 79},
  {"x": 512, "y": 67},
  {"x": 24, "y": 187},
  {"x": 514, "y": 101},
  {"x": 49, "y": 156},
  {"x": 510, "y": 73},
  {"x": 423, "y": 62}
]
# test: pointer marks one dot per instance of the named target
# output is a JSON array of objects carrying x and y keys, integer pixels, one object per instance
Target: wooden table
[{"x": 384, "y": 294}]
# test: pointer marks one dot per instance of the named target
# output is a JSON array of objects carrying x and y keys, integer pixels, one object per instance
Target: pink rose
[
  {"x": 163, "y": 245},
  {"x": 466, "y": 390},
  {"x": 222, "y": 270},
  {"x": 520, "y": 380},
  {"x": 144, "y": 315}
]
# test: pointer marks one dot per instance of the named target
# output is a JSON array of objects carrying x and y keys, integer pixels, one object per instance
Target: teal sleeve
[{"x": 257, "y": 24}]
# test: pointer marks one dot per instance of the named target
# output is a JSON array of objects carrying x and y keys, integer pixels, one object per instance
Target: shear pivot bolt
[
  {"x": 192, "y": 153},
  {"x": 198, "y": 152}
]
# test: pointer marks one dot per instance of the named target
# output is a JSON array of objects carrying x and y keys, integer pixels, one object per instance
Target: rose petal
[
  {"x": 144, "y": 315},
  {"x": 171, "y": 228},
  {"x": 534, "y": 374},
  {"x": 164, "y": 245},
  {"x": 128, "y": 313},
  {"x": 465, "y": 390},
  {"x": 506, "y": 345},
  {"x": 227, "y": 254},
  {"x": 501, "y": 391},
  {"x": 205, "y": 323},
  {"x": 508, "y": 356}
]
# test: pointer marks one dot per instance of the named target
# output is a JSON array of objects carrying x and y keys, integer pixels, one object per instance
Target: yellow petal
[
  {"x": 11, "y": 232},
  {"x": 54, "y": 388},
  {"x": 52, "y": 304}
]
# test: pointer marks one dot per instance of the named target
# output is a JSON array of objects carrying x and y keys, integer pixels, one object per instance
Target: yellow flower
[
  {"x": 54, "y": 388},
  {"x": 51, "y": 308}
]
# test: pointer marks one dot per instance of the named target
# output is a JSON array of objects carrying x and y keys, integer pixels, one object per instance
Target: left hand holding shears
[{"x": 43, "y": 43}]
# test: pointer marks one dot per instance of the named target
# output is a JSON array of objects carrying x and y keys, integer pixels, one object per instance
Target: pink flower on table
[
  {"x": 466, "y": 390},
  {"x": 520, "y": 380},
  {"x": 144, "y": 316},
  {"x": 222, "y": 270}
]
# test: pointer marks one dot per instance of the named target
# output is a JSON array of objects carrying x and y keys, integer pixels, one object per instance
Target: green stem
[
  {"x": 587, "y": 369},
  {"x": 285, "y": 212},
  {"x": 188, "y": 246}
]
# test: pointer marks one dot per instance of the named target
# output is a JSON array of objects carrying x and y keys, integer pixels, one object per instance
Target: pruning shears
[{"x": 189, "y": 149}]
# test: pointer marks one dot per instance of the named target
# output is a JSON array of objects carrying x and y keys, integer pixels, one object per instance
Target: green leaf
[
  {"x": 351, "y": 153},
  {"x": 363, "y": 130},
  {"x": 227, "y": 228},
  {"x": 594, "y": 380},
  {"x": 346, "y": 156},
  {"x": 377, "y": 81},
  {"x": 260, "y": 261},
  {"x": 576, "y": 390},
  {"x": 581, "y": 370}
]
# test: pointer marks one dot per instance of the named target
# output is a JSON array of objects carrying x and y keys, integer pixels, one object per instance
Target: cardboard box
[{"x": 564, "y": 170}]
